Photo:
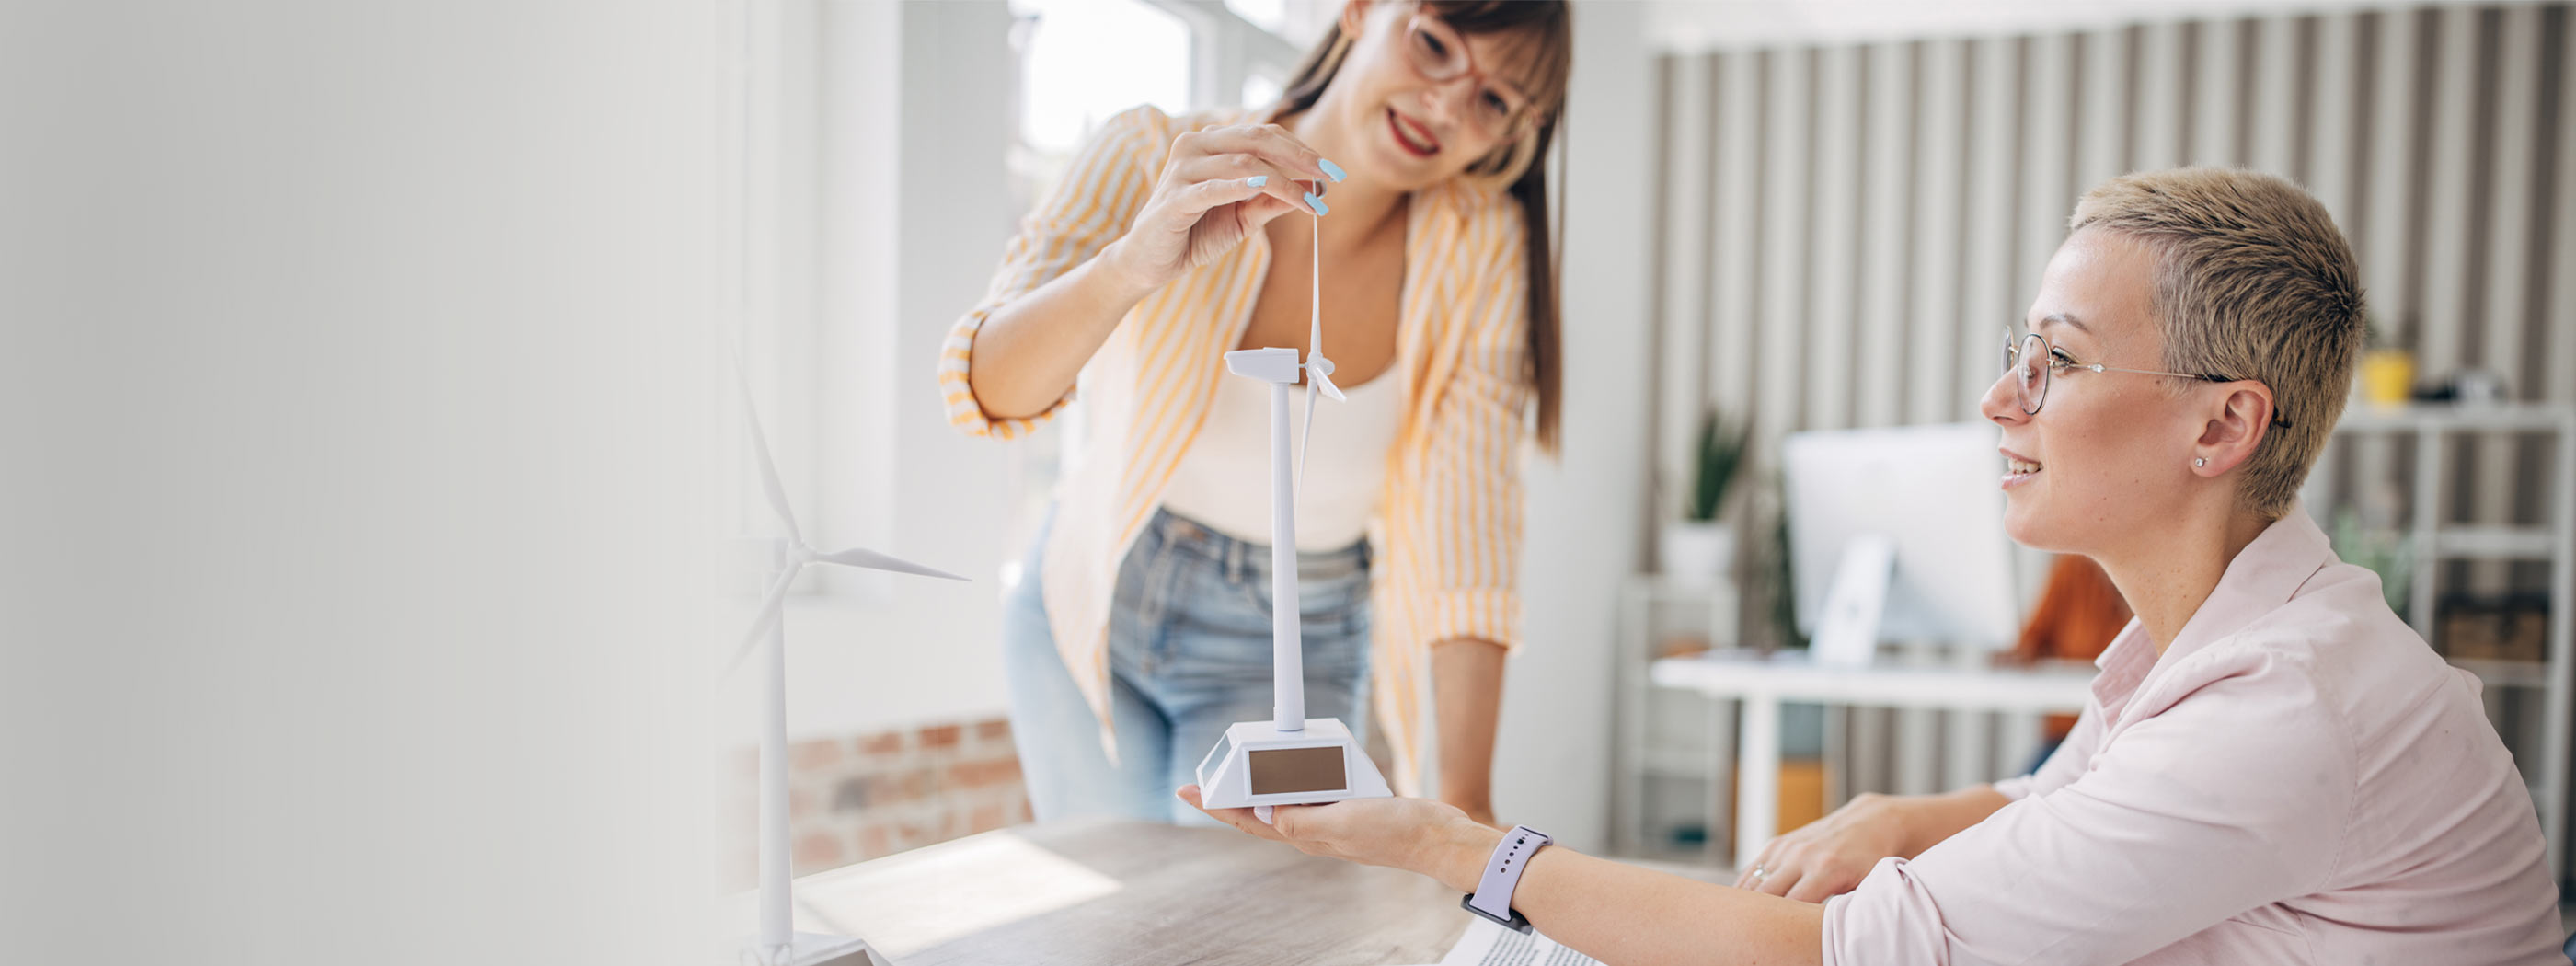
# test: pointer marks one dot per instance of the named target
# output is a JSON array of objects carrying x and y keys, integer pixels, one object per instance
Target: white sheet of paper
[{"x": 1487, "y": 944}]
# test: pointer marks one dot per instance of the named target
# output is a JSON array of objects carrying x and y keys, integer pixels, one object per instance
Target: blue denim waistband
[{"x": 1243, "y": 559}]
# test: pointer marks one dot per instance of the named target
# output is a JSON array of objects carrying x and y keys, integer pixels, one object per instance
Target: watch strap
[{"x": 1493, "y": 896}]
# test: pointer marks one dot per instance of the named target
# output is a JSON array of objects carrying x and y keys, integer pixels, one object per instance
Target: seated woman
[{"x": 2274, "y": 768}]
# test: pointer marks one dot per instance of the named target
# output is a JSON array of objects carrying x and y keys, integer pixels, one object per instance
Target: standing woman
[{"x": 1142, "y": 627}]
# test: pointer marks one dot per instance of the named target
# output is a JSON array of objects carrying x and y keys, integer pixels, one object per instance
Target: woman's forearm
[
  {"x": 1467, "y": 690},
  {"x": 1626, "y": 915},
  {"x": 1929, "y": 819},
  {"x": 1029, "y": 351}
]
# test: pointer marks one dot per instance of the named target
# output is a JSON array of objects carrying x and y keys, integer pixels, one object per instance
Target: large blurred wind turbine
[{"x": 776, "y": 944}]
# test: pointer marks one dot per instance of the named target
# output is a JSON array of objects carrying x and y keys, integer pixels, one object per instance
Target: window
[
  {"x": 1260, "y": 87},
  {"x": 1270, "y": 15},
  {"x": 1084, "y": 60}
]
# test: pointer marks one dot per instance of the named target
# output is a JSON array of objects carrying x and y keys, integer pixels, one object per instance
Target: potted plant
[
  {"x": 1700, "y": 548},
  {"x": 2383, "y": 549}
]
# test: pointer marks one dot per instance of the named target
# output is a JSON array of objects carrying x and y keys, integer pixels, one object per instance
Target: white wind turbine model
[
  {"x": 775, "y": 944},
  {"x": 1291, "y": 759}
]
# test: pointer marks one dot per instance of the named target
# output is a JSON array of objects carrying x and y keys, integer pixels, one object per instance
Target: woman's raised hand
[{"x": 1219, "y": 186}]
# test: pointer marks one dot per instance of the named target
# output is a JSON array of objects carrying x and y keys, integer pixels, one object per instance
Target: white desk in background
[{"x": 1760, "y": 685}]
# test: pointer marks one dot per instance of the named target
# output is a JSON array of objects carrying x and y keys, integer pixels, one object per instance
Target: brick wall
[{"x": 859, "y": 797}]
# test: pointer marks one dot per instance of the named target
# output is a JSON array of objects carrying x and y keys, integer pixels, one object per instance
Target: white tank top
[{"x": 1224, "y": 480}]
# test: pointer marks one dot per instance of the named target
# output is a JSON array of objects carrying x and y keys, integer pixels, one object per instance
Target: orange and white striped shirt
[{"x": 1448, "y": 522}]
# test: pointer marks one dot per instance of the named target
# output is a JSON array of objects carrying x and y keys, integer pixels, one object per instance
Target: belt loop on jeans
[
  {"x": 1179, "y": 532},
  {"x": 1234, "y": 561}
]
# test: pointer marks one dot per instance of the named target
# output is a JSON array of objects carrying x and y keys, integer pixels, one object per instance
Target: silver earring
[{"x": 2200, "y": 461}]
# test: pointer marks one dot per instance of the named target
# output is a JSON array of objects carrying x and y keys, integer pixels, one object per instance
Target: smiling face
[
  {"x": 2109, "y": 453},
  {"x": 1410, "y": 125}
]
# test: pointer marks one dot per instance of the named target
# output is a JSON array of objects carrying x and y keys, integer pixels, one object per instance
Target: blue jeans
[{"x": 1189, "y": 655}]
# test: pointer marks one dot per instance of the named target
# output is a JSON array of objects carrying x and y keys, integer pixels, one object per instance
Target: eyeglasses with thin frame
[
  {"x": 2023, "y": 356},
  {"x": 1440, "y": 55}
]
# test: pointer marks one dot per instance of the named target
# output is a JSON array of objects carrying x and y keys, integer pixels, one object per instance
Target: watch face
[{"x": 1283, "y": 770}]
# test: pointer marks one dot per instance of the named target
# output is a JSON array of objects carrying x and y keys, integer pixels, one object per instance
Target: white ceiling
[{"x": 1695, "y": 25}]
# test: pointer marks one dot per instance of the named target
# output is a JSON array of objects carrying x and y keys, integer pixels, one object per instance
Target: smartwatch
[{"x": 1493, "y": 896}]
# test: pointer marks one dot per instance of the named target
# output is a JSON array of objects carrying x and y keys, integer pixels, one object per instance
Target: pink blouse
[{"x": 2297, "y": 779}]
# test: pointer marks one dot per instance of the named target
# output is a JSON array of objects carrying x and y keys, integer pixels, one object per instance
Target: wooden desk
[{"x": 1130, "y": 894}]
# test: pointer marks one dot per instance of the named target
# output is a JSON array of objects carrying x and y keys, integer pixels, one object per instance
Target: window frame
[{"x": 792, "y": 322}]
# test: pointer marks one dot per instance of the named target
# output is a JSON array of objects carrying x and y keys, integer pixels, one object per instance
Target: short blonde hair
[{"x": 2253, "y": 281}]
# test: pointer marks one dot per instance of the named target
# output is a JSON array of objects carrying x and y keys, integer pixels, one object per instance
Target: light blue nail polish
[
  {"x": 1257, "y": 180},
  {"x": 1332, "y": 169},
  {"x": 1318, "y": 204}
]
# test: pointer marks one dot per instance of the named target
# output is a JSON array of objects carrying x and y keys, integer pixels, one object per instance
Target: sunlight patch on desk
[{"x": 928, "y": 896}]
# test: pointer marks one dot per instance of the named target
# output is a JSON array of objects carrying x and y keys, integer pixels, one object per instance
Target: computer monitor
[{"x": 1919, "y": 505}]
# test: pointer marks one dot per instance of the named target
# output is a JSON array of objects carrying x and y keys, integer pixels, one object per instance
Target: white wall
[
  {"x": 913, "y": 222},
  {"x": 1585, "y": 510},
  {"x": 1697, "y": 25},
  {"x": 953, "y": 215},
  {"x": 356, "y": 447}
]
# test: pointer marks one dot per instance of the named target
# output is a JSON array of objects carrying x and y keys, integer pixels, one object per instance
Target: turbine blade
[
  {"x": 1315, "y": 332},
  {"x": 1315, "y": 292},
  {"x": 872, "y": 560},
  {"x": 771, "y": 604},
  {"x": 1326, "y": 382},
  {"x": 1307, "y": 441},
  {"x": 760, "y": 446}
]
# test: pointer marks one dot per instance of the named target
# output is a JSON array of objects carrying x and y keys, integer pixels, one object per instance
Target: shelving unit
[
  {"x": 1639, "y": 759},
  {"x": 2436, "y": 540}
]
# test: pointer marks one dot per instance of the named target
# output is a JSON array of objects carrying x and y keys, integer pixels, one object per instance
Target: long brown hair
[{"x": 1522, "y": 164}]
